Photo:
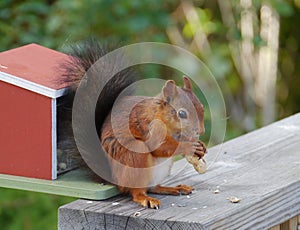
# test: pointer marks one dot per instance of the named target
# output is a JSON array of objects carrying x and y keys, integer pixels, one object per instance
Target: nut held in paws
[{"x": 199, "y": 164}]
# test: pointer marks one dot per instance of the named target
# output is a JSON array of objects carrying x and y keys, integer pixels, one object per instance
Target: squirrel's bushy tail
[{"x": 82, "y": 58}]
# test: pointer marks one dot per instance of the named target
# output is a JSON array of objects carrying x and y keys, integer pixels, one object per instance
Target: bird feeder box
[{"x": 29, "y": 90}]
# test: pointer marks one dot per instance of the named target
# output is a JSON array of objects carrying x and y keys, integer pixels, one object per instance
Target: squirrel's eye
[{"x": 182, "y": 114}]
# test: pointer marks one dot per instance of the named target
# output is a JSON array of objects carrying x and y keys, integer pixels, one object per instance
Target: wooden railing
[{"x": 261, "y": 168}]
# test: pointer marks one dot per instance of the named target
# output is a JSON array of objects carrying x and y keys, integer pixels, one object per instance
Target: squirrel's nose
[{"x": 199, "y": 131}]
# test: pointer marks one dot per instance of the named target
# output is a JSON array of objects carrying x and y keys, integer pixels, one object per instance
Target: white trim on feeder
[
  {"x": 54, "y": 139},
  {"x": 34, "y": 87}
]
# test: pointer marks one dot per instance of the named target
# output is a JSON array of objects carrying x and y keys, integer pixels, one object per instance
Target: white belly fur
[{"x": 161, "y": 170}]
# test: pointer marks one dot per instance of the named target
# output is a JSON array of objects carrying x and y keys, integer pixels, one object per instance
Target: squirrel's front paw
[
  {"x": 190, "y": 148},
  {"x": 200, "y": 149},
  {"x": 157, "y": 134}
]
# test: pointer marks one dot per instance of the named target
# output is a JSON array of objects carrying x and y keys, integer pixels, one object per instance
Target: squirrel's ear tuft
[
  {"x": 187, "y": 82},
  {"x": 169, "y": 90}
]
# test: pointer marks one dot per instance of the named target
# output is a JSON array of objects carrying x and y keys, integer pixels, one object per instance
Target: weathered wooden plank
[{"x": 261, "y": 168}]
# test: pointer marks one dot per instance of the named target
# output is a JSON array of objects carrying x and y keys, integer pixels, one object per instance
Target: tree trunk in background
[{"x": 255, "y": 64}]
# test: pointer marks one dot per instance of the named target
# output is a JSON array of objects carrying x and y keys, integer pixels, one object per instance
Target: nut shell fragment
[{"x": 234, "y": 199}]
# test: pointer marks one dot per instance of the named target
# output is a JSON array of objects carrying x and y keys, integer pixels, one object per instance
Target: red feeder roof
[{"x": 35, "y": 68}]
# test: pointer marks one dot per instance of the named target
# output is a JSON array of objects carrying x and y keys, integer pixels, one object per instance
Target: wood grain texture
[{"x": 261, "y": 168}]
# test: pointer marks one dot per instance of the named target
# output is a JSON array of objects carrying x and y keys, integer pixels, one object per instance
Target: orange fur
[{"x": 140, "y": 130}]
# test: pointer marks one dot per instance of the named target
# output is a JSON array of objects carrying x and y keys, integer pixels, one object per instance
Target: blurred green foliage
[
  {"x": 29, "y": 210},
  {"x": 57, "y": 23}
]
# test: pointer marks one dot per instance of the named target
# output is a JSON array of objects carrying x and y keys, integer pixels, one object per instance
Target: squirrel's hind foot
[
  {"x": 140, "y": 196},
  {"x": 178, "y": 190}
]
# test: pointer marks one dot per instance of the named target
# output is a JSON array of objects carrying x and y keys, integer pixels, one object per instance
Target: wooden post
[
  {"x": 261, "y": 168},
  {"x": 277, "y": 227},
  {"x": 291, "y": 224}
]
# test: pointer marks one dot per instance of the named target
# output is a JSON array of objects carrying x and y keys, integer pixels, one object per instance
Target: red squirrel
[{"x": 159, "y": 127}]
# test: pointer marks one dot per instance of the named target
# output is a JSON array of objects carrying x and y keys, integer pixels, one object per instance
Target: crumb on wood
[
  {"x": 234, "y": 199},
  {"x": 181, "y": 205},
  {"x": 137, "y": 214},
  {"x": 217, "y": 191}
]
